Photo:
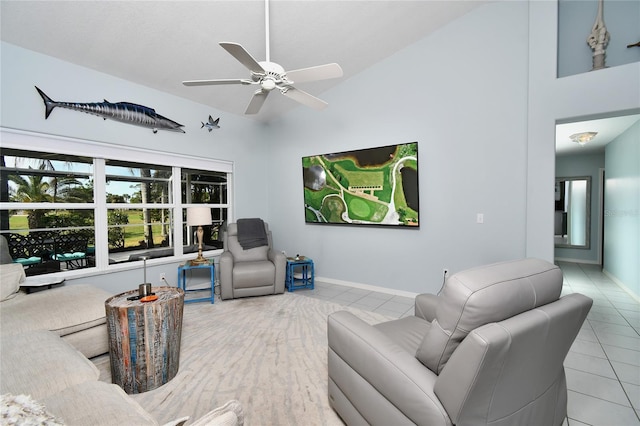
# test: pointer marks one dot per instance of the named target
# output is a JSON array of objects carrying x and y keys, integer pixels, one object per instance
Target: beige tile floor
[{"x": 603, "y": 365}]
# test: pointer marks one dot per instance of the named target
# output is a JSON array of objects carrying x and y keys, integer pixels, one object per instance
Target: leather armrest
[
  {"x": 425, "y": 306},
  {"x": 394, "y": 373},
  {"x": 280, "y": 261},
  {"x": 277, "y": 257},
  {"x": 226, "y": 275}
]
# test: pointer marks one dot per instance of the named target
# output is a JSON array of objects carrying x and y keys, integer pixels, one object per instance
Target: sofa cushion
[
  {"x": 11, "y": 275},
  {"x": 63, "y": 310},
  {"x": 40, "y": 363},
  {"x": 483, "y": 295},
  {"x": 97, "y": 403},
  {"x": 5, "y": 254}
]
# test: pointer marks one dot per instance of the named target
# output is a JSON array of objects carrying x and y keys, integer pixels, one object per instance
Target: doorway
[{"x": 577, "y": 157}]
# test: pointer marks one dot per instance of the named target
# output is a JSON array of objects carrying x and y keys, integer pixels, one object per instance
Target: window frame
[{"x": 100, "y": 151}]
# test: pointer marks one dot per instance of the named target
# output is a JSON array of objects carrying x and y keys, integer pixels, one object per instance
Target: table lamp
[{"x": 199, "y": 216}]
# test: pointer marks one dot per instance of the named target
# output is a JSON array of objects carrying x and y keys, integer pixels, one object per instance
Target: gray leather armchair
[
  {"x": 257, "y": 271},
  {"x": 488, "y": 350}
]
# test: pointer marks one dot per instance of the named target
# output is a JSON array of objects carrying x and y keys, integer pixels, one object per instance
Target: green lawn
[
  {"x": 133, "y": 234},
  {"x": 18, "y": 221}
]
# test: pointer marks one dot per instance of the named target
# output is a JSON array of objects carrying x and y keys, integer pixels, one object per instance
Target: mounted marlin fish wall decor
[{"x": 125, "y": 112}]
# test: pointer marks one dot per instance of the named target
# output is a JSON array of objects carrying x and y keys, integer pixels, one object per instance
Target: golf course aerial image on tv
[{"x": 374, "y": 186}]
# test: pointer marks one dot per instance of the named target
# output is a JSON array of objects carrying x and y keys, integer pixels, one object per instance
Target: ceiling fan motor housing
[{"x": 275, "y": 75}]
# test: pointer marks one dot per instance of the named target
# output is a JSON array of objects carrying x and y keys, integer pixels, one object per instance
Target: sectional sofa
[{"x": 46, "y": 340}]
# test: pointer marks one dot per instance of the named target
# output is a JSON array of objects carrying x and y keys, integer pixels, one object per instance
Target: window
[
  {"x": 139, "y": 201},
  {"x": 86, "y": 207},
  {"x": 205, "y": 187}
]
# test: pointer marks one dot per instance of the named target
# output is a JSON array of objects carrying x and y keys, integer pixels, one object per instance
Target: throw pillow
[
  {"x": 11, "y": 275},
  {"x": 24, "y": 411}
]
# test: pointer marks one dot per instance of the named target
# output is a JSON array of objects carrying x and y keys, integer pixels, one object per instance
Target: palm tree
[
  {"x": 32, "y": 189},
  {"x": 145, "y": 192}
]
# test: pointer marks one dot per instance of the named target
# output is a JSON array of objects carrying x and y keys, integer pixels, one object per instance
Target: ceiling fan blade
[
  {"x": 239, "y": 52},
  {"x": 321, "y": 72},
  {"x": 304, "y": 98},
  {"x": 256, "y": 102},
  {"x": 216, "y": 82}
]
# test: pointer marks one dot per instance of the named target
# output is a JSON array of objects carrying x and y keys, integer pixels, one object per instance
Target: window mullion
[
  {"x": 100, "y": 199},
  {"x": 178, "y": 226}
]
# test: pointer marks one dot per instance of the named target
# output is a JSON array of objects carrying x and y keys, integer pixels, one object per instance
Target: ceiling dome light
[
  {"x": 268, "y": 84},
  {"x": 583, "y": 138}
]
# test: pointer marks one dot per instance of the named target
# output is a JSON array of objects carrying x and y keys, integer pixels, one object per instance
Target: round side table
[{"x": 144, "y": 338}]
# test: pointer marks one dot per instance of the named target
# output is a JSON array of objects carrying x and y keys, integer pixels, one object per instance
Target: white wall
[
  {"x": 483, "y": 109},
  {"x": 622, "y": 210},
  {"x": 583, "y": 96},
  {"x": 480, "y": 96},
  {"x": 239, "y": 140},
  {"x": 463, "y": 97}
]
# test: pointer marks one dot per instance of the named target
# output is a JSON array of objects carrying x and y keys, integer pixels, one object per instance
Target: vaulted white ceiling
[{"x": 161, "y": 43}]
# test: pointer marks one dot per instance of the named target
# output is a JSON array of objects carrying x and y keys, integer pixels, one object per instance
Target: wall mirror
[{"x": 572, "y": 212}]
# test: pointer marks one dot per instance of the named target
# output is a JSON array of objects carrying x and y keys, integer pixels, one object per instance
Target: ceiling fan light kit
[{"x": 270, "y": 75}]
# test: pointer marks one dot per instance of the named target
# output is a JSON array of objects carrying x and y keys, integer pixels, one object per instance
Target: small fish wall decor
[
  {"x": 124, "y": 112},
  {"x": 211, "y": 124}
]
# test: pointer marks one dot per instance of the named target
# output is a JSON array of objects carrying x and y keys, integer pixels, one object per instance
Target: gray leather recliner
[
  {"x": 257, "y": 271},
  {"x": 488, "y": 350}
]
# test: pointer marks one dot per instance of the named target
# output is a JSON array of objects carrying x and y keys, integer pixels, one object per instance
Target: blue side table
[
  {"x": 304, "y": 266},
  {"x": 182, "y": 280}
]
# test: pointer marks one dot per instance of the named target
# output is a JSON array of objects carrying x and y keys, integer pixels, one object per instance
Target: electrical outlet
[{"x": 445, "y": 272}]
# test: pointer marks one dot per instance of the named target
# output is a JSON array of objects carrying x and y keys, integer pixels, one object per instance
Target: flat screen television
[{"x": 373, "y": 186}]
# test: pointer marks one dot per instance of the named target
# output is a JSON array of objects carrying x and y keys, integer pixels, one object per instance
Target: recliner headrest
[{"x": 491, "y": 293}]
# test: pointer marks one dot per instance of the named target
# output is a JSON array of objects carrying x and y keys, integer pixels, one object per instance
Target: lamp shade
[{"x": 198, "y": 216}]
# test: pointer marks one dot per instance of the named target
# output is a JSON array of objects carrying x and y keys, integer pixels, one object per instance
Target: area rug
[{"x": 270, "y": 353}]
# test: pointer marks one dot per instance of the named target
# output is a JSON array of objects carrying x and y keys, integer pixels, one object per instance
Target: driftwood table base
[{"x": 144, "y": 338}]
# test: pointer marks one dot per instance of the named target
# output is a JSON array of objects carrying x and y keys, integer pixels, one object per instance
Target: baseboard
[
  {"x": 621, "y": 285},
  {"x": 368, "y": 287},
  {"x": 585, "y": 261}
]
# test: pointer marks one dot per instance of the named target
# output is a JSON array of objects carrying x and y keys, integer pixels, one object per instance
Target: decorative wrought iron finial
[{"x": 598, "y": 39}]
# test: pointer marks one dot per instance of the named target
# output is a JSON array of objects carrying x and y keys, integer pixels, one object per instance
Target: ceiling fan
[{"x": 269, "y": 75}]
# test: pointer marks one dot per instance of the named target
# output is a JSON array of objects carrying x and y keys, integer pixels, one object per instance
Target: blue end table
[
  {"x": 182, "y": 280},
  {"x": 305, "y": 267}
]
